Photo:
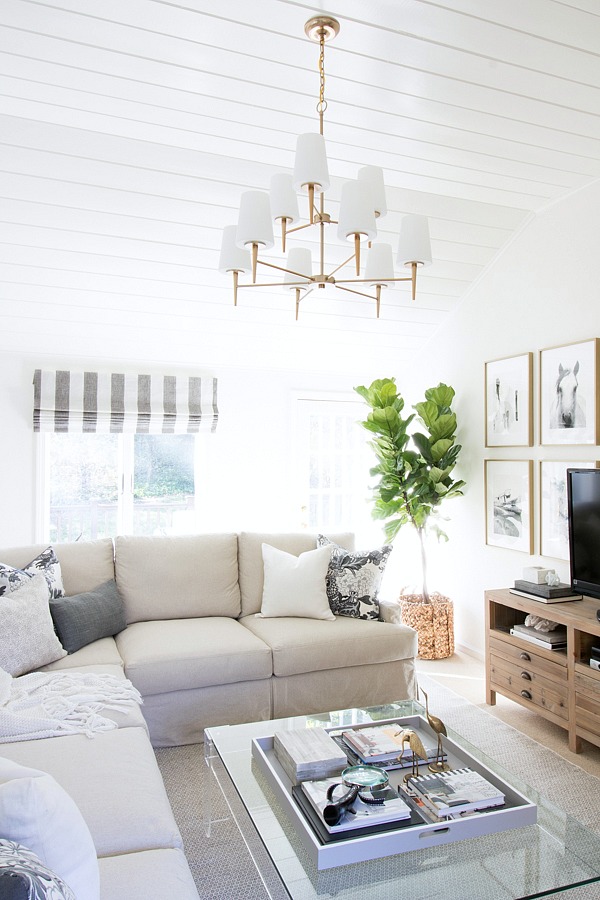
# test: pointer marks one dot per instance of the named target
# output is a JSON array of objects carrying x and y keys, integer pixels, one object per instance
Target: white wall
[{"x": 541, "y": 292}]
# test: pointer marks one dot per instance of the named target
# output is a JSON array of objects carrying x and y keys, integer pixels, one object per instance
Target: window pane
[
  {"x": 83, "y": 475},
  {"x": 163, "y": 485}
]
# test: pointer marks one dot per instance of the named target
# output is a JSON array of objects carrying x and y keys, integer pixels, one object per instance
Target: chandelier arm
[
  {"x": 288, "y": 271},
  {"x": 278, "y": 284},
  {"x": 350, "y": 291},
  {"x": 370, "y": 280},
  {"x": 341, "y": 266},
  {"x": 300, "y": 227}
]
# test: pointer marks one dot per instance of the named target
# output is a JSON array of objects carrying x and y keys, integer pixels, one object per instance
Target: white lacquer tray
[{"x": 517, "y": 812}]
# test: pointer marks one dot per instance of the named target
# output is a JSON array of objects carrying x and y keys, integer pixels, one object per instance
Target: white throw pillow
[
  {"x": 37, "y": 812},
  {"x": 27, "y": 636},
  {"x": 295, "y": 585}
]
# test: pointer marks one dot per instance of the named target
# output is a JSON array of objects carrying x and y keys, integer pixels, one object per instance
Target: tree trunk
[{"x": 421, "y": 533}]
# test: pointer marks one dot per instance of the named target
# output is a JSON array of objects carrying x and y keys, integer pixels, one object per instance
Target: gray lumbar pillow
[{"x": 83, "y": 618}]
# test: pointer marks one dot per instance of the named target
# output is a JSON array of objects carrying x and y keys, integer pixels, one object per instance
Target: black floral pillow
[
  {"x": 23, "y": 876},
  {"x": 353, "y": 579},
  {"x": 46, "y": 564}
]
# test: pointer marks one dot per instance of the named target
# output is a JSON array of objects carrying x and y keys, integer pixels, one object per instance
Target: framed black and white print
[
  {"x": 509, "y": 504},
  {"x": 554, "y": 520},
  {"x": 509, "y": 401},
  {"x": 569, "y": 394}
]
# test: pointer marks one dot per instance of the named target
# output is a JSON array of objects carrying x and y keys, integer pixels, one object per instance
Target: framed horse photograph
[
  {"x": 509, "y": 503},
  {"x": 509, "y": 401},
  {"x": 569, "y": 394}
]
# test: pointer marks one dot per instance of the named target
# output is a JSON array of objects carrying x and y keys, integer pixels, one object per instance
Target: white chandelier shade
[
  {"x": 372, "y": 178},
  {"x": 255, "y": 226},
  {"x": 357, "y": 215},
  {"x": 310, "y": 168},
  {"x": 284, "y": 200},
  {"x": 233, "y": 258},
  {"x": 379, "y": 268},
  {"x": 414, "y": 244},
  {"x": 299, "y": 260}
]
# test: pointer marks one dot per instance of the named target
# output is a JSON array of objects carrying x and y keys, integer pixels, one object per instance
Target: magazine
[
  {"x": 383, "y": 743},
  {"x": 456, "y": 791},
  {"x": 392, "y": 809}
]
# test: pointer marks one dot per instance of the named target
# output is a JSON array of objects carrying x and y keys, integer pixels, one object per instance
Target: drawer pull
[
  {"x": 526, "y": 694},
  {"x": 526, "y": 676},
  {"x": 525, "y": 656}
]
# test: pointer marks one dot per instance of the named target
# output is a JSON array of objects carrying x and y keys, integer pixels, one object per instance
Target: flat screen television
[{"x": 583, "y": 499}]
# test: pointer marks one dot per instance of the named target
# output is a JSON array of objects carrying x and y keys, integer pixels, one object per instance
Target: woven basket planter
[{"x": 433, "y": 622}]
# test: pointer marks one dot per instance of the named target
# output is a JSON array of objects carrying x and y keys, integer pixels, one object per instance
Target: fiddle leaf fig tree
[{"x": 414, "y": 466}]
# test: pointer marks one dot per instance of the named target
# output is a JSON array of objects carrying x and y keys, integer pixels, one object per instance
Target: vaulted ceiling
[{"x": 129, "y": 130}]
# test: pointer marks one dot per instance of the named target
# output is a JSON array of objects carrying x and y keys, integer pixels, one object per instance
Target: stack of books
[
  {"x": 545, "y": 593},
  {"x": 308, "y": 753},
  {"x": 362, "y": 818},
  {"x": 455, "y": 793},
  {"x": 381, "y": 745},
  {"x": 549, "y": 640}
]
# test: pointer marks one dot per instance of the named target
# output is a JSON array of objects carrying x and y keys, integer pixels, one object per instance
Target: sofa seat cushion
[
  {"x": 100, "y": 653},
  {"x": 179, "y": 654},
  {"x": 307, "y": 645},
  {"x": 151, "y": 875},
  {"x": 115, "y": 781},
  {"x": 177, "y": 577}
]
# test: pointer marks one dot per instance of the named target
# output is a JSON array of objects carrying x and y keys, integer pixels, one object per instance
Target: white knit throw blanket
[{"x": 48, "y": 704}]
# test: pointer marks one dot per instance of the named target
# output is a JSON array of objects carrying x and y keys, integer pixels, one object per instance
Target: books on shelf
[
  {"x": 559, "y": 593},
  {"x": 540, "y": 639},
  {"x": 556, "y": 636},
  {"x": 455, "y": 792},
  {"x": 382, "y": 744},
  {"x": 393, "y": 809},
  {"x": 308, "y": 753}
]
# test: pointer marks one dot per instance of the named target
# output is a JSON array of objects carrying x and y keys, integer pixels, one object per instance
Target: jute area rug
[{"x": 222, "y": 865}]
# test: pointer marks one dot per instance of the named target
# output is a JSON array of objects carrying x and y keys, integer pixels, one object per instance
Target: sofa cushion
[
  {"x": 306, "y": 645},
  {"x": 83, "y": 564},
  {"x": 27, "y": 638},
  {"x": 23, "y": 876},
  {"x": 83, "y": 618},
  {"x": 114, "y": 780},
  {"x": 45, "y": 563},
  {"x": 251, "y": 572},
  {"x": 178, "y": 577},
  {"x": 180, "y": 654},
  {"x": 354, "y": 578},
  {"x": 295, "y": 585},
  {"x": 102, "y": 652},
  {"x": 150, "y": 874},
  {"x": 39, "y": 813}
]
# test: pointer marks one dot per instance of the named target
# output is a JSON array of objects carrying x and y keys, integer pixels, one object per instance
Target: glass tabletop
[{"x": 553, "y": 856}]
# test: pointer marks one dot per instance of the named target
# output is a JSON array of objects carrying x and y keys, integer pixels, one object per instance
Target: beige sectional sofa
[{"x": 200, "y": 656}]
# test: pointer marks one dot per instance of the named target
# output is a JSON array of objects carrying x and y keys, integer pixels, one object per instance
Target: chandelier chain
[{"x": 322, "y": 104}]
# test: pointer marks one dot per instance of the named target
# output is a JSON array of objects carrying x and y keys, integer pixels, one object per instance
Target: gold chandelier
[{"x": 362, "y": 202}]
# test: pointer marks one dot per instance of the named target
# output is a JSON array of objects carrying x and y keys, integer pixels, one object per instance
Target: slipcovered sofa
[{"x": 201, "y": 654}]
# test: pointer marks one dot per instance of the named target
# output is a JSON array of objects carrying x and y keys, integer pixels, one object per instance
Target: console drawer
[
  {"x": 549, "y": 663},
  {"x": 530, "y": 687}
]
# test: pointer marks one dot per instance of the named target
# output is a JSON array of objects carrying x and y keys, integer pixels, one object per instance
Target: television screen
[{"x": 583, "y": 490}]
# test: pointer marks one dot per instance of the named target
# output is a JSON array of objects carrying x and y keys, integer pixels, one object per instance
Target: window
[
  {"x": 100, "y": 485},
  {"x": 333, "y": 465}
]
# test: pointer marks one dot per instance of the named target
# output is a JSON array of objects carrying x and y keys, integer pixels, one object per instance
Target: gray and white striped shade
[{"x": 129, "y": 404}]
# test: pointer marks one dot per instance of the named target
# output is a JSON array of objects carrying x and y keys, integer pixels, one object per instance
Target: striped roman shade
[{"x": 128, "y": 404}]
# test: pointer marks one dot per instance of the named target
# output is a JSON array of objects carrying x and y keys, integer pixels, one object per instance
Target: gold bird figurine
[
  {"x": 438, "y": 765},
  {"x": 418, "y": 750}
]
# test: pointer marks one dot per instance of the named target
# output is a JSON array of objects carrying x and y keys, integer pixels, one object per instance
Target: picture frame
[
  {"x": 569, "y": 394},
  {"x": 554, "y": 523},
  {"x": 509, "y": 401},
  {"x": 509, "y": 504}
]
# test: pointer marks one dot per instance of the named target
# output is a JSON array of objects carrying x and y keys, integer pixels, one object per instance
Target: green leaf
[
  {"x": 428, "y": 412},
  {"x": 443, "y": 395},
  {"x": 443, "y": 427},
  {"x": 423, "y": 446},
  {"x": 439, "y": 448}
]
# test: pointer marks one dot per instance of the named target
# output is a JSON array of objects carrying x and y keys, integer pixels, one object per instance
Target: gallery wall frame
[
  {"x": 570, "y": 394},
  {"x": 554, "y": 525},
  {"x": 509, "y": 401},
  {"x": 509, "y": 504}
]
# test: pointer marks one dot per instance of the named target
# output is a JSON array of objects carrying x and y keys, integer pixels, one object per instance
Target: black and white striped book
[{"x": 456, "y": 791}]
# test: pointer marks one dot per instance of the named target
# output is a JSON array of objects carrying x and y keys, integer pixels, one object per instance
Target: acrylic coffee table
[{"x": 556, "y": 855}]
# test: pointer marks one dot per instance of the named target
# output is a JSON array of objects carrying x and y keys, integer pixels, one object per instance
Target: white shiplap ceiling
[{"x": 129, "y": 129}]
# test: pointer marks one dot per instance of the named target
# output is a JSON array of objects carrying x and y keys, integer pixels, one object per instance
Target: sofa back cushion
[
  {"x": 251, "y": 561},
  {"x": 177, "y": 577},
  {"x": 83, "y": 564}
]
